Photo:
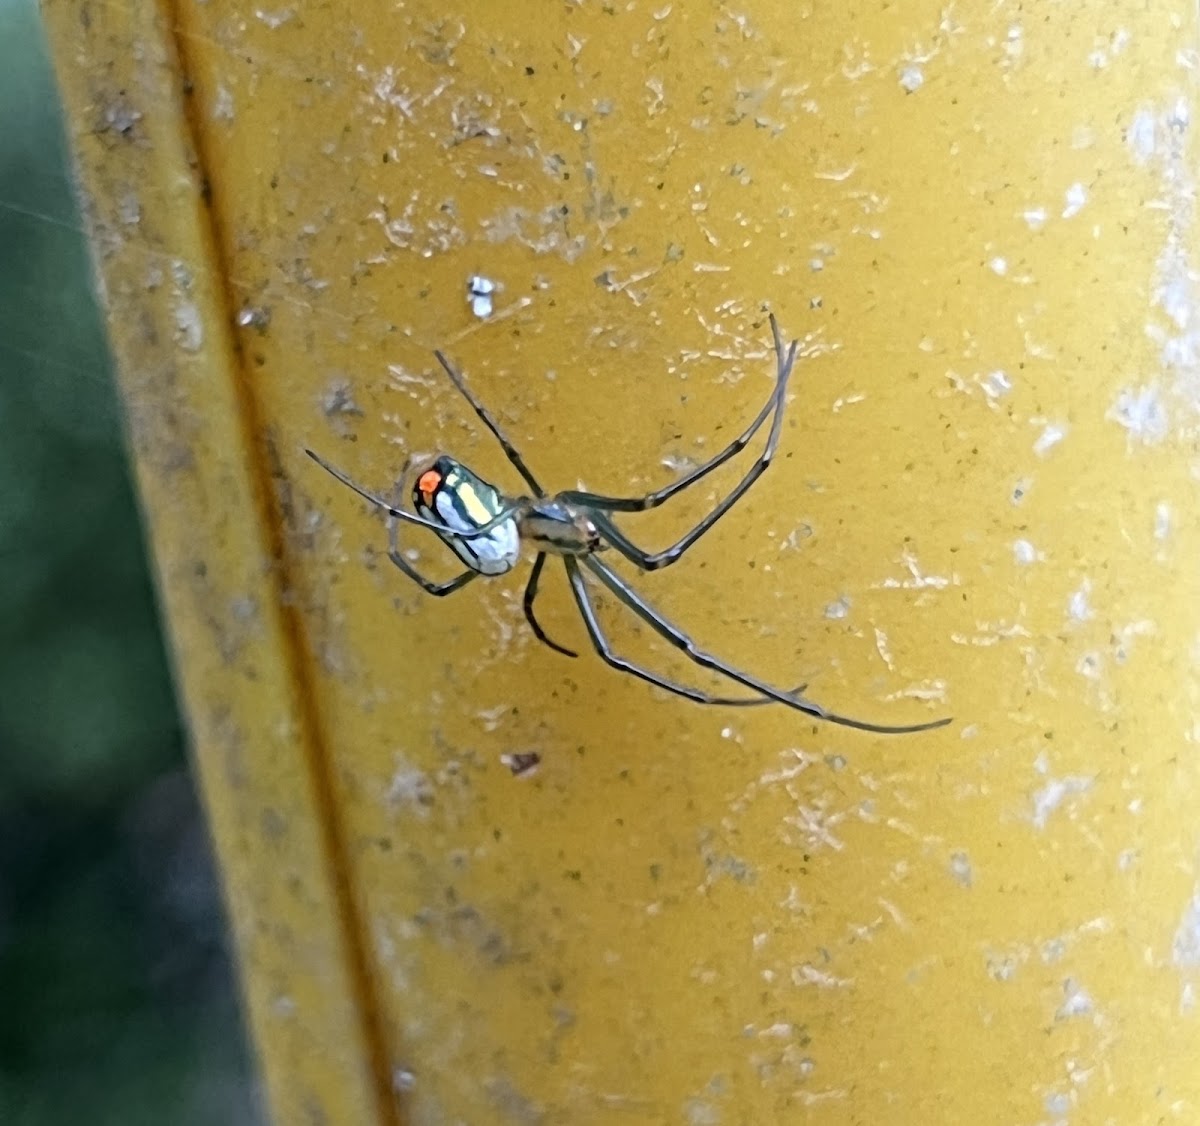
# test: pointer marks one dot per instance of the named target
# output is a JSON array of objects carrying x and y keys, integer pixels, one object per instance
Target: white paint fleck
[
  {"x": 1076, "y": 1001},
  {"x": 1052, "y": 433},
  {"x": 792, "y": 541},
  {"x": 808, "y": 974},
  {"x": 1185, "y": 949},
  {"x": 917, "y": 580},
  {"x": 996, "y": 384},
  {"x": 1057, "y": 1102},
  {"x": 912, "y": 78},
  {"x": 1054, "y": 793},
  {"x": 1124, "y": 636},
  {"x": 1160, "y": 141},
  {"x": 837, "y": 175},
  {"x": 1076, "y": 197},
  {"x": 277, "y": 18},
  {"x": 1078, "y": 606},
  {"x": 839, "y": 608},
  {"x": 817, "y": 827},
  {"x": 1035, "y": 218},
  {"x": 1025, "y": 553},
  {"x": 1162, "y": 520},
  {"x": 222, "y": 109},
  {"x": 999, "y": 266},
  {"x": 1140, "y": 135},
  {"x": 1174, "y": 297},
  {"x": 782, "y": 1029},
  {"x": 883, "y": 649},
  {"x": 1179, "y": 117},
  {"x": 792, "y": 902},
  {"x": 1053, "y": 950},
  {"x": 960, "y": 869},
  {"x": 700, "y": 1112},
  {"x": 491, "y": 718},
  {"x": 543, "y": 231},
  {"x": 676, "y": 463},
  {"x": 1142, "y": 413},
  {"x": 188, "y": 327},
  {"x": 410, "y": 789},
  {"x": 403, "y": 1080}
]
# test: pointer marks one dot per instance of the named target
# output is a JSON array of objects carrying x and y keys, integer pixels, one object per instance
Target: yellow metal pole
[
  {"x": 201, "y": 452},
  {"x": 980, "y": 222}
]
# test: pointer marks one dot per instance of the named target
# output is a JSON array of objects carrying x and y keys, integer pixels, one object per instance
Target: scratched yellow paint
[{"x": 980, "y": 222}]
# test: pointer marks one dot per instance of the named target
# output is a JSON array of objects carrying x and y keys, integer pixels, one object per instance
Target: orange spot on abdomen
[{"x": 428, "y": 483}]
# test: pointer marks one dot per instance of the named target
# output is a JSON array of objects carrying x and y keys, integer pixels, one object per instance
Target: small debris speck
[
  {"x": 479, "y": 295},
  {"x": 521, "y": 762},
  {"x": 254, "y": 316}
]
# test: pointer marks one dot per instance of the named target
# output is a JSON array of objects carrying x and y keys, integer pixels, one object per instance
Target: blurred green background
[{"x": 117, "y": 1001}]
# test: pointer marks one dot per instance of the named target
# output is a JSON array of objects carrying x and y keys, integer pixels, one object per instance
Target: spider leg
[
  {"x": 680, "y": 640},
  {"x": 784, "y": 359},
  {"x": 511, "y": 507},
  {"x": 588, "y": 612},
  {"x": 531, "y": 589},
  {"x": 752, "y": 702},
  {"x": 654, "y": 560},
  {"x": 438, "y": 590},
  {"x": 510, "y": 450}
]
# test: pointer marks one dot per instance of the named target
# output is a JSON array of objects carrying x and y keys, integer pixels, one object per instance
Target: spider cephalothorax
[{"x": 485, "y": 529}]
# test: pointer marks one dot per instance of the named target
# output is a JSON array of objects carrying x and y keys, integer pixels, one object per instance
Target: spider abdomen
[{"x": 449, "y": 494}]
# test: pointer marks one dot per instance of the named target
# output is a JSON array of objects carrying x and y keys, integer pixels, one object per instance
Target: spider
[{"x": 485, "y": 529}]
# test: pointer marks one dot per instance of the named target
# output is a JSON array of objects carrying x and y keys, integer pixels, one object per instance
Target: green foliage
[{"x": 116, "y": 999}]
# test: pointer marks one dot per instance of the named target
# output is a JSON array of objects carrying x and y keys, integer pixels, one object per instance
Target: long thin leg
[
  {"x": 509, "y": 449},
  {"x": 438, "y": 590},
  {"x": 531, "y": 590},
  {"x": 510, "y": 509},
  {"x": 681, "y": 641},
  {"x": 784, "y": 361},
  {"x": 653, "y": 561},
  {"x": 531, "y": 594},
  {"x": 752, "y": 702},
  {"x": 600, "y": 642}
]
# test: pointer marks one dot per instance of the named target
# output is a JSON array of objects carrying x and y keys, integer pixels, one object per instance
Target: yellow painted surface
[{"x": 980, "y": 220}]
